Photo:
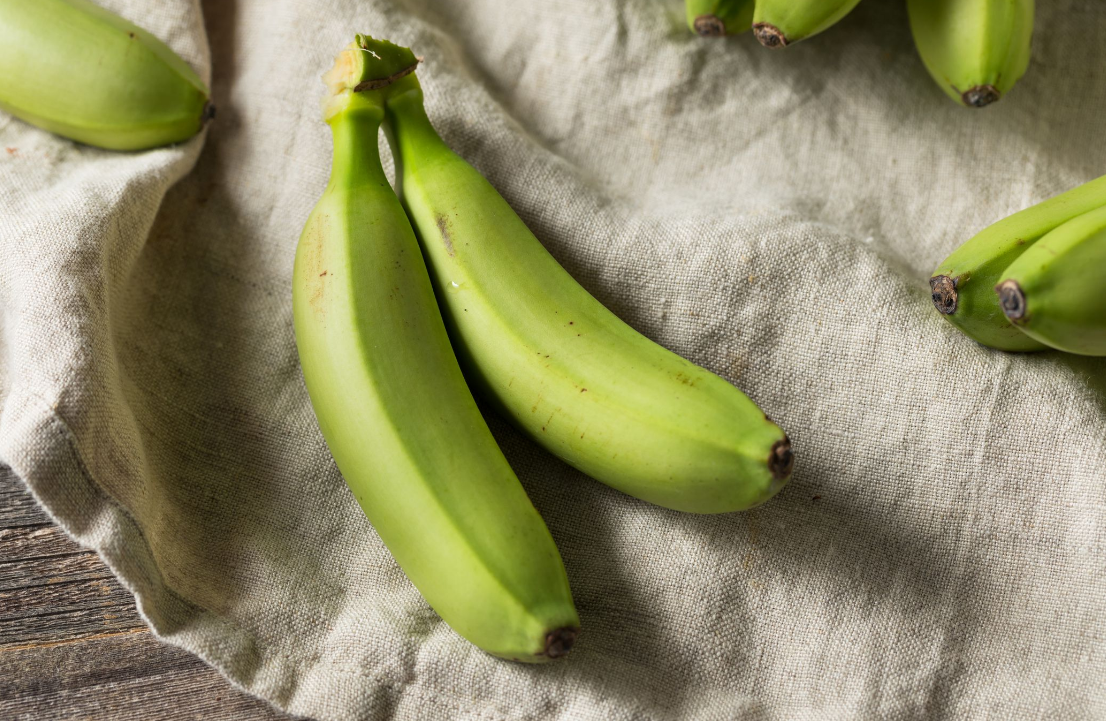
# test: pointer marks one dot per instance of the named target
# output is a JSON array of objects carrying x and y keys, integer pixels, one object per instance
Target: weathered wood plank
[
  {"x": 49, "y": 571},
  {"x": 126, "y": 676},
  {"x": 72, "y": 645},
  {"x": 17, "y": 508},
  {"x": 29, "y": 542}
]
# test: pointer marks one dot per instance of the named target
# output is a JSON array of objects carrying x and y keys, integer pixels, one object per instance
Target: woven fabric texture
[{"x": 772, "y": 216}]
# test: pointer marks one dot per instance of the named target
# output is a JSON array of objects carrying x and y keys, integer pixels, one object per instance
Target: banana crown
[{"x": 365, "y": 64}]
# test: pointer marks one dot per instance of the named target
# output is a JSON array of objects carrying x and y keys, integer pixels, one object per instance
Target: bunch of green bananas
[
  {"x": 396, "y": 411},
  {"x": 1033, "y": 280},
  {"x": 126, "y": 91},
  {"x": 974, "y": 49}
]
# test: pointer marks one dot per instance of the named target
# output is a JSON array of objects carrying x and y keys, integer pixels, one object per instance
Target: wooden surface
[{"x": 72, "y": 645}]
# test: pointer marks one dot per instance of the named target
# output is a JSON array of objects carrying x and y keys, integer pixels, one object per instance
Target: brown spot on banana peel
[
  {"x": 443, "y": 228},
  {"x": 710, "y": 26},
  {"x": 980, "y": 96},
  {"x": 1011, "y": 298},
  {"x": 769, "y": 35},
  {"x": 781, "y": 460}
]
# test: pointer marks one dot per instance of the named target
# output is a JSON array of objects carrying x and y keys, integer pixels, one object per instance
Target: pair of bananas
[
  {"x": 1033, "y": 280},
  {"x": 775, "y": 23},
  {"x": 974, "y": 49},
  {"x": 126, "y": 90},
  {"x": 383, "y": 341}
]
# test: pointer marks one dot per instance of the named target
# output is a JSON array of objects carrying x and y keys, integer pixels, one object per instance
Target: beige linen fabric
[{"x": 773, "y": 216}]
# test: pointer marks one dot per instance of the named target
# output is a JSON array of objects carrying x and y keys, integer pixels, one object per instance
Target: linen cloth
[{"x": 773, "y": 216}]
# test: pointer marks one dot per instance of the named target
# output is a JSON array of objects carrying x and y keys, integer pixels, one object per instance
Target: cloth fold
[{"x": 772, "y": 216}]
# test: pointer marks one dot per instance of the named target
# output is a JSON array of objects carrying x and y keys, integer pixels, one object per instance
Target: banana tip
[
  {"x": 769, "y": 35},
  {"x": 943, "y": 292},
  {"x": 980, "y": 96},
  {"x": 710, "y": 26},
  {"x": 560, "y": 641},
  {"x": 208, "y": 114},
  {"x": 781, "y": 460},
  {"x": 1012, "y": 299}
]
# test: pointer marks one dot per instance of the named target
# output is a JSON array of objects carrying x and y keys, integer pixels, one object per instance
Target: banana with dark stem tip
[
  {"x": 974, "y": 49},
  {"x": 1055, "y": 292},
  {"x": 962, "y": 287},
  {"x": 560, "y": 366},
  {"x": 779, "y": 23},
  {"x": 393, "y": 406},
  {"x": 73, "y": 68},
  {"x": 715, "y": 18}
]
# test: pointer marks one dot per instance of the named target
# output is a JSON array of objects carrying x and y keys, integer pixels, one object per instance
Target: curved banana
[
  {"x": 779, "y": 23},
  {"x": 1055, "y": 292},
  {"x": 963, "y": 285},
  {"x": 75, "y": 69},
  {"x": 394, "y": 408},
  {"x": 563, "y": 368},
  {"x": 975, "y": 49},
  {"x": 715, "y": 18}
]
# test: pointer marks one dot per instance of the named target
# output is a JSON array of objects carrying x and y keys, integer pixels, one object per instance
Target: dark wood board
[{"x": 72, "y": 645}]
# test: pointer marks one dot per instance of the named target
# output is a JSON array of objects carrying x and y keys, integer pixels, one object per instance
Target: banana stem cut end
[
  {"x": 769, "y": 36},
  {"x": 943, "y": 292},
  {"x": 781, "y": 460},
  {"x": 710, "y": 26},
  {"x": 559, "y": 642},
  {"x": 980, "y": 96},
  {"x": 378, "y": 83},
  {"x": 1012, "y": 299}
]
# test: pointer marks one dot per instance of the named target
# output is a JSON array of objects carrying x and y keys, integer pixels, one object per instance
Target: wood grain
[{"x": 72, "y": 645}]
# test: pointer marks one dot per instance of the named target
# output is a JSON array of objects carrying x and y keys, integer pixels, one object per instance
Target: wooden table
[{"x": 72, "y": 644}]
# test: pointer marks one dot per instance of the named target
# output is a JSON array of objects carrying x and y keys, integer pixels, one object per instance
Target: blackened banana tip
[
  {"x": 710, "y": 26},
  {"x": 980, "y": 96},
  {"x": 769, "y": 35},
  {"x": 781, "y": 460},
  {"x": 560, "y": 641},
  {"x": 943, "y": 292},
  {"x": 1012, "y": 299},
  {"x": 208, "y": 114}
]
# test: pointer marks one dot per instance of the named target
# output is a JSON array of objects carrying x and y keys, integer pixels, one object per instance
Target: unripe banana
[
  {"x": 779, "y": 23},
  {"x": 975, "y": 49},
  {"x": 1055, "y": 292},
  {"x": 560, "y": 366},
  {"x": 77, "y": 70},
  {"x": 963, "y": 285},
  {"x": 715, "y": 18},
  {"x": 393, "y": 406}
]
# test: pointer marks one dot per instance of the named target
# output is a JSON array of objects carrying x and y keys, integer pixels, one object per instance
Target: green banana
[
  {"x": 1054, "y": 291},
  {"x": 560, "y": 366},
  {"x": 779, "y": 23},
  {"x": 715, "y": 18},
  {"x": 393, "y": 406},
  {"x": 975, "y": 49},
  {"x": 963, "y": 285},
  {"x": 104, "y": 81}
]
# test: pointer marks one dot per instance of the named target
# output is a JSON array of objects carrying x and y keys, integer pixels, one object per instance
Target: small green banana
[
  {"x": 1055, "y": 292},
  {"x": 393, "y": 406},
  {"x": 975, "y": 49},
  {"x": 779, "y": 23},
  {"x": 963, "y": 285},
  {"x": 715, "y": 18},
  {"x": 79, "y": 71},
  {"x": 560, "y": 366}
]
